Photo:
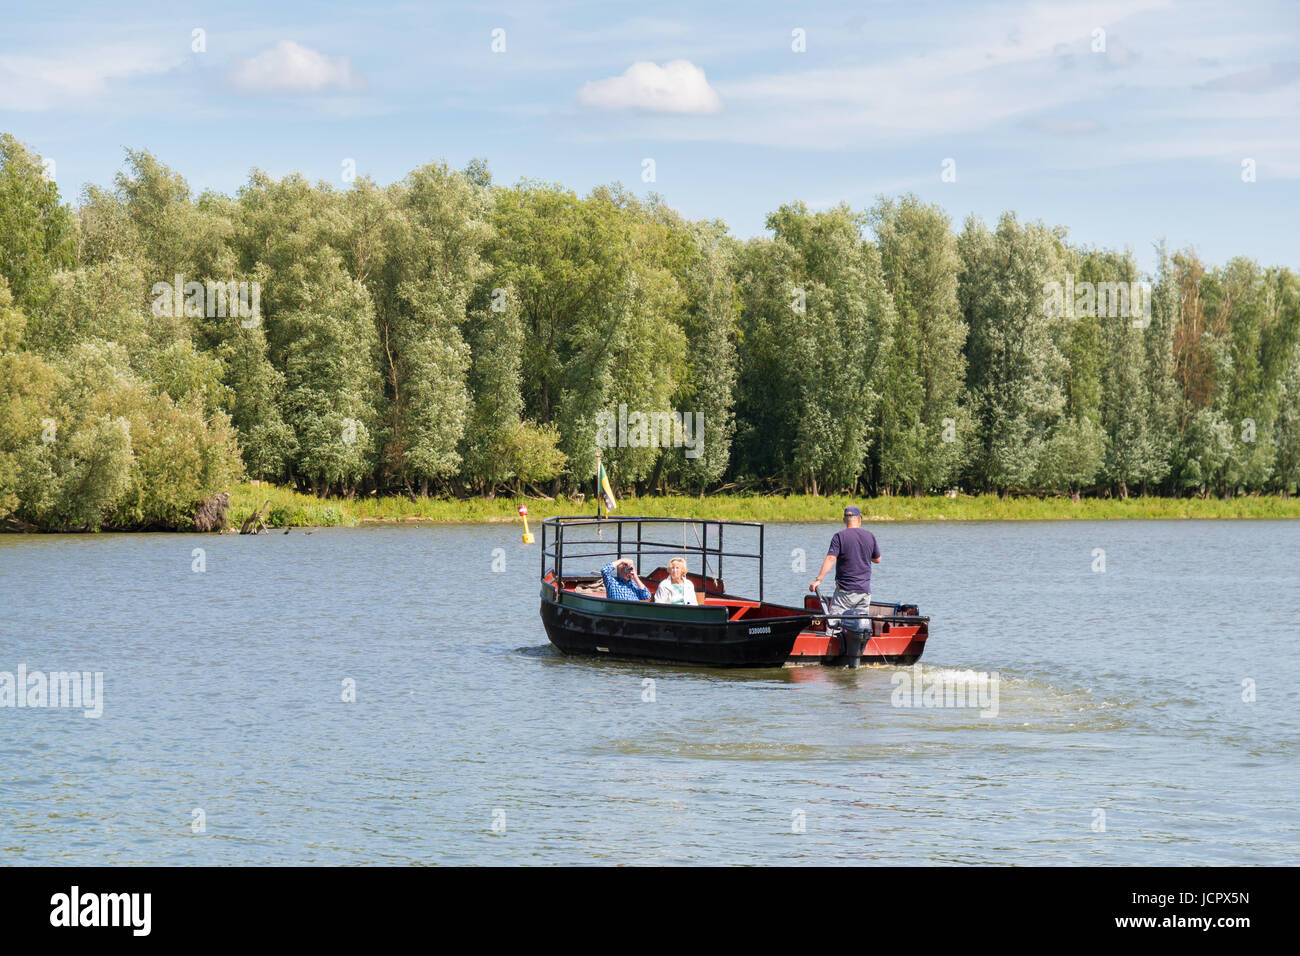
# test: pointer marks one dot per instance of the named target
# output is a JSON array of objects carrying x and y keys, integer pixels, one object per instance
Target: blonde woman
[{"x": 677, "y": 587}]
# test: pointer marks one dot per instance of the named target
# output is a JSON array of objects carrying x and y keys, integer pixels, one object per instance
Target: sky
[{"x": 1126, "y": 121}]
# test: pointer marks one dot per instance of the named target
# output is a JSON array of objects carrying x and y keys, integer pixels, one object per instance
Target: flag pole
[{"x": 599, "y": 493}]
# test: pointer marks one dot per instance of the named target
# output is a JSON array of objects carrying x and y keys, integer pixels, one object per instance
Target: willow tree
[
  {"x": 417, "y": 247},
  {"x": 707, "y": 390},
  {"x": 172, "y": 233},
  {"x": 1259, "y": 313},
  {"x": 500, "y": 447},
  {"x": 1109, "y": 382},
  {"x": 255, "y": 386},
  {"x": 562, "y": 258},
  {"x": 922, "y": 427},
  {"x": 320, "y": 328},
  {"x": 1162, "y": 392},
  {"x": 1015, "y": 368},
  {"x": 815, "y": 322},
  {"x": 36, "y": 227},
  {"x": 496, "y": 339},
  {"x": 80, "y": 470},
  {"x": 27, "y": 385},
  {"x": 112, "y": 450},
  {"x": 1286, "y": 475},
  {"x": 101, "y": 301},
  {"x": 598, "y": 307},
  {"x": 647, "y": 342},
  {"x": 1203, "y": 438}
]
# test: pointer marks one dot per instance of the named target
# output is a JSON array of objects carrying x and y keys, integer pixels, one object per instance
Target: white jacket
[{"x": 669, "y": 593}]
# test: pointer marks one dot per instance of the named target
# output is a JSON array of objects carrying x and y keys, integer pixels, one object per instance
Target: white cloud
[
  {"x": 676, "y": 87},
  {"x": 991, "y": 75},
  {"x": 998, "y": 80},
  {"x": 1262, "y": 78},
  {"x": 635, "y": 30},
  {"x": 1275, "y": 157},
  {"x": 1062, "y": 126},
  {"x": 48, "y": 82},
  {"x": 289, "y": 67}
]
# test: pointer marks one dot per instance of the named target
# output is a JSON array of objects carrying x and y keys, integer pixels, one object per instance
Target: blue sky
[{"x": 1125, "y": 121}]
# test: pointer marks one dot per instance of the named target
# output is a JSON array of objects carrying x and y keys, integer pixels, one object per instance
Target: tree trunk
[
  {"x": 211, "y": 513},
  {"x": 658, "y": 471},
  {"x": 256, "y": 521}
]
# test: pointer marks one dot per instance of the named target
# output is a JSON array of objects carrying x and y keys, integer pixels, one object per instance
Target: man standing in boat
[{"x": 852, "y": 552}]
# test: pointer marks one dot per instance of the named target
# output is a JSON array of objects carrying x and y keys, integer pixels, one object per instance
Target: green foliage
[
  {"x": 13, "y": 323},
  {"x": 496, "y": 342},
  {"x": 27, "y": 386},
  {"x": 291, "y": 509},
  {"x": 320, "y": 333},
  {"x": 111, "y": 452},
  {"x": 1287, "y": 465},
  {"x": 705, "y": 263},
  {"x": 499, "y": 447},
  {"x": 417, "y": 247},
  {"x": 533, "y": 452},
  {"x": 98, "y": 301},
  {"x": 923, "y": 430},
  {"x": 444, "y": 335},
  {"x": 1071, "y": 456},
  {"x": 286, "y": 508},
  {"x": 815, "y": 322},
  {"x": 1016, "y": 370},
  {"x": 179, "y": 455},
  {"x": 36, "y": 229}
]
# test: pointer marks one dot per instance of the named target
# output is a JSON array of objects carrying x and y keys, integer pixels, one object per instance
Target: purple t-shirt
[{"x": 853, "y": 549}]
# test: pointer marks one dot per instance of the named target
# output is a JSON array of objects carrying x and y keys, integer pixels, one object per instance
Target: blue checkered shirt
[{"x": 618, "y": 590}]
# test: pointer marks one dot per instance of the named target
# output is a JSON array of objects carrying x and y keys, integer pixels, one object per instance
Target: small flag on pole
[{"x": 605, "y": 491}]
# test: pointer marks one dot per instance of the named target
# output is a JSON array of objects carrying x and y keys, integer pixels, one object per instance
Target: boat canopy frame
[{"x": 624, "y": 545}]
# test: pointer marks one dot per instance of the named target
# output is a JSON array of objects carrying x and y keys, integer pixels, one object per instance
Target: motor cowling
[{"x": 855, "y": 631}]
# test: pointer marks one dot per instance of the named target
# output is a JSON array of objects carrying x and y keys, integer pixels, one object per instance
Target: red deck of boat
[{"x": 813, "y": 646}]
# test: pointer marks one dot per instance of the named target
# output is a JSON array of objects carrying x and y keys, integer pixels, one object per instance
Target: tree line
[{"x": 448, "y": 335}]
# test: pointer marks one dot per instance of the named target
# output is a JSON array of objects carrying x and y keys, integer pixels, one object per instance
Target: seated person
[
  {"x": 677, "y": 587},
  {"x": 622, "y": 582}
]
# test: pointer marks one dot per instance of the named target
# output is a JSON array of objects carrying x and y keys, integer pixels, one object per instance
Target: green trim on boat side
[{"x": 649, "y": 609}]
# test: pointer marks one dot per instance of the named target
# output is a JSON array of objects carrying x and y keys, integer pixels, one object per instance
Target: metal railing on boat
[{"x": 558, "y": 525}]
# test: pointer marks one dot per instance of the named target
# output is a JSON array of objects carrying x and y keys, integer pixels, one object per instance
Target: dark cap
[{"x": 852, "y": 511}]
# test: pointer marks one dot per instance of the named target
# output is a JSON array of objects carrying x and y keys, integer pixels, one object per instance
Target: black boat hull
[{"x": 761, "y": 642}]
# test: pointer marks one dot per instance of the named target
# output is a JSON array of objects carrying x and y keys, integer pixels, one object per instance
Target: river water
[{"x": 1146, "y": 708}]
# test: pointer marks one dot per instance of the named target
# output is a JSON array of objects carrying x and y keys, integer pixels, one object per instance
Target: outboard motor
[{"x": 855, "y": 631}]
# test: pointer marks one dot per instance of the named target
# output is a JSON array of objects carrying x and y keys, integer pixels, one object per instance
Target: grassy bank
[{"x": 291, "y": 509}]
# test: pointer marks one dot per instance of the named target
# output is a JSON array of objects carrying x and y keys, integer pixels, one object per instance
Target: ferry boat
[{"x": 725, "y": 629}]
